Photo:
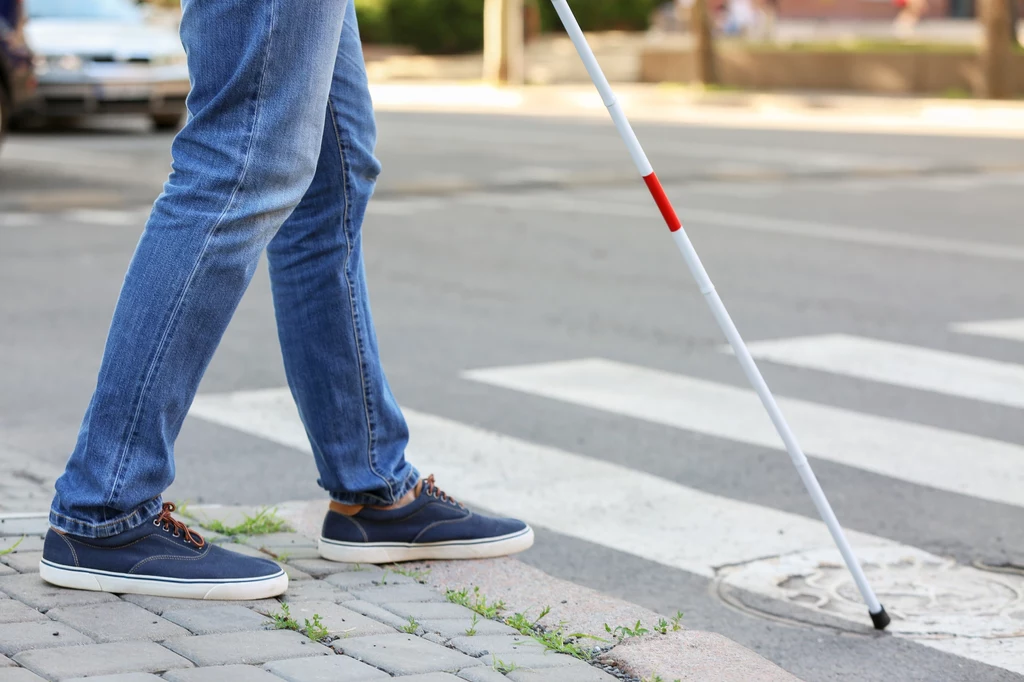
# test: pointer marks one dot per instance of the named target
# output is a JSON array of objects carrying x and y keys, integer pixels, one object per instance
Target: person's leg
[
  {"x": 261, "y": 76},
  {"x": 380, "y": 510},
  {"x": 356, "y": 429}
]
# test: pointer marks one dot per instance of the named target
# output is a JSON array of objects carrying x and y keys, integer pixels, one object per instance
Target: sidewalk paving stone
[
  {"x": 217, "y": 620},
  {"x": 30, "y": 589},
  {"x": 585, "y": 673},
  {"x": 18, "y": 637},
  {"x": 325, "y": 669},
  {"x": 158, "y": 605},
  {"x": 404, "y": 654},
  {"x": 429, "y": 611},
  {"x": 321, "y": 568},
  {"x": 118, "y": 621},
  {"x": 28, "y": 543},
  {"x": 19, "y": 675},
  {"x": 483, "y": 645},
  {"x": 482, "y": 674},
  {"x": 315, "y": 590},
  {"x": 532, "y": 659},
  {"x": 101, "y": 659},
  {"x": 126, "y": 677},
  {"x": 6, "y": 662},
  {"x": 239, "y": 548},
  {"x": 458, "y": 628},
  {"x": 12, "y": 611},
  {"x": 355, "y": 579},
  {"x": 279, "y": 542},
  {"x": 251, "y": 648},
  {"x": 397, "y": 594},
  {"x": 7, "y": 570},
  {"x": 224, "y": 673},
  {"x": 432, "y": 677},
  {"x": 23, "y": 562},
  {"x": 377, "y": 613},
  {"x": 295, "y": 574},
  {"x": 338, "y": 620}
]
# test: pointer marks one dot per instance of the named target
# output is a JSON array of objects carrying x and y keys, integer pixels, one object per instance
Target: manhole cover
[{"x": 926, "y": 595}]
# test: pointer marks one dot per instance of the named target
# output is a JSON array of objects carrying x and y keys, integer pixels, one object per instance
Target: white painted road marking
[
  {"x": 997, "y": 329},
  {"x": 797, "y": 228},
  {"x": 990, "y": 381},
  {"x": 585, "y": 498},
  {"x": 610, "y": 505},
  {"x": 925, "y": 455}
]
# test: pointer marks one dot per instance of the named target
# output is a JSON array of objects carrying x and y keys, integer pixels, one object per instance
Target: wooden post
[
  {"x": 703, "y": 43},
  {"x": 996, "y": 53},
  {"x": 504, "y": 49}
]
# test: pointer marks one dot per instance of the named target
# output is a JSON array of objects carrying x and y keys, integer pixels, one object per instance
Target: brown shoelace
[
  {"x": 168, "y": 522},
  {"x": 430, "y": 488}
]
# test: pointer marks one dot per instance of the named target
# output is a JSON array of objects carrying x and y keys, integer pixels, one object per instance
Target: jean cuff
[
  {"x": 106, "y": 529},
  {"x": 369, "y": 499}
]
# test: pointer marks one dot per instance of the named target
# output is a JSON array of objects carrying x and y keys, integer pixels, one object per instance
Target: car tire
[{"x": 167, "y": 121}]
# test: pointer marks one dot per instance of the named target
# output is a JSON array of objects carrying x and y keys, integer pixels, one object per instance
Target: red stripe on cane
[{"x": 664, "y": 205}]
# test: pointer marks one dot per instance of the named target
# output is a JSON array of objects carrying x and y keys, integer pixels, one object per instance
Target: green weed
[
  {"x": 471, "y": 630},
  {"x": 622, "y": 632},
  {"x": 284, "y": 620},
  {"x": 411, "y": 627},
  {"x": 503, "y": 667},
  {"x": 315, "y": 629},
  {"x": 476, "y": 602},
  {"x": 10, "y": 550},
  {"x": 264, "y": 522}
]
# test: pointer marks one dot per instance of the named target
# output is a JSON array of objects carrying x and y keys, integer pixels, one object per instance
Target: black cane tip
[{"x": 880, "y": 619}]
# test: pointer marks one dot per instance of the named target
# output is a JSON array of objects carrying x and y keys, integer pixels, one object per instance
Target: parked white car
[{"x": 101, "y": 56}]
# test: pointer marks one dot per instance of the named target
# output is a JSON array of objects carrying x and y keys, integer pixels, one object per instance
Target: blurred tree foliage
[{"x": 453, "y": 26}]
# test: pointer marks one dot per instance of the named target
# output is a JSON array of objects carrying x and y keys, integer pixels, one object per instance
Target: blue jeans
[{"x": 277, "y": 154}]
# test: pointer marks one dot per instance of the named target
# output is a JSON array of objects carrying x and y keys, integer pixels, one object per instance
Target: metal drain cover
[{"x": 927, "y": 596}]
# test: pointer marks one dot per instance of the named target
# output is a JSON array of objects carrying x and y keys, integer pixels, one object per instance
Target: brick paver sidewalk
[{"x": 381, "y": 625}]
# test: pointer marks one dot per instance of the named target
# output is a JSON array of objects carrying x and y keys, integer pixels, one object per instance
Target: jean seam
[
  {"x": 352, "y": 305},
  {"x": 171, "y": 323}
]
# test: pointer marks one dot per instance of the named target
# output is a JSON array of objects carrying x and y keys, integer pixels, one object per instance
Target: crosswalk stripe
[
  {"x": 916, "y": 453},
  {"x": 569, "y": 493},
  {"x": 899, "y": 364},
  {"x": 755, "y": 223},
  {"x": 997, "y": 329},
  {"x": 631, "y": 511}
]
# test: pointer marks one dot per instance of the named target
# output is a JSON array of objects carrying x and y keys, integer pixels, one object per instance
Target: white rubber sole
[
  {"x": 394, "y": 552},
  {"x": 122, "y": 583}
]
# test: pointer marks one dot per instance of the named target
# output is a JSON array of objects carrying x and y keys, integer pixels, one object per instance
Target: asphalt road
[{"x": 503, "y": 242}]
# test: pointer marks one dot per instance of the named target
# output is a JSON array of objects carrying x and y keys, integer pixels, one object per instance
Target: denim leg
[
  {"x": 324, "y": 323},
  {"x": 261, "y": 73}
]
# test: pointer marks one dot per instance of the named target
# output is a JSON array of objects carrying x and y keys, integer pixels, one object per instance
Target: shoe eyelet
[
  {"x": 156, "y": 522},
  {"x": 177, "y": 534}
]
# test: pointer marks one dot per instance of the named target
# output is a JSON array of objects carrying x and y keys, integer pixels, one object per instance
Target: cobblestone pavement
[{"x": 381, "y": 624}]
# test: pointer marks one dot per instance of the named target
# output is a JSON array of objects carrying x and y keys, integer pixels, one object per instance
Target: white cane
[{"x": 878, "y": 615}]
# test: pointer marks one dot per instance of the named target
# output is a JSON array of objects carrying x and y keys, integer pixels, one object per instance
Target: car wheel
[{"x": 166, "y": 121}]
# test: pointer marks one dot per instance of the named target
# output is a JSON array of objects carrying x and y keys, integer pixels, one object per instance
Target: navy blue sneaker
[
  {"x": 162, "y": 557},
  {"x": 432, "y": 526}
]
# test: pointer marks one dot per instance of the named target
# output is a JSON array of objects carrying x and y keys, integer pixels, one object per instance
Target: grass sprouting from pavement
[
  {"x": 284, "y": 620},
  {"x": 10, "y": 550},
  {"x": 264, "y": 522},
  {"x": 315, "y": 629},
  {"x": 554, "y": 638}
]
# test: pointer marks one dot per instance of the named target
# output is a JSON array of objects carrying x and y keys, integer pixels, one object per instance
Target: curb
[
  {"x": 683, "y": 655},
  {"x": 678, "y": 104}
]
